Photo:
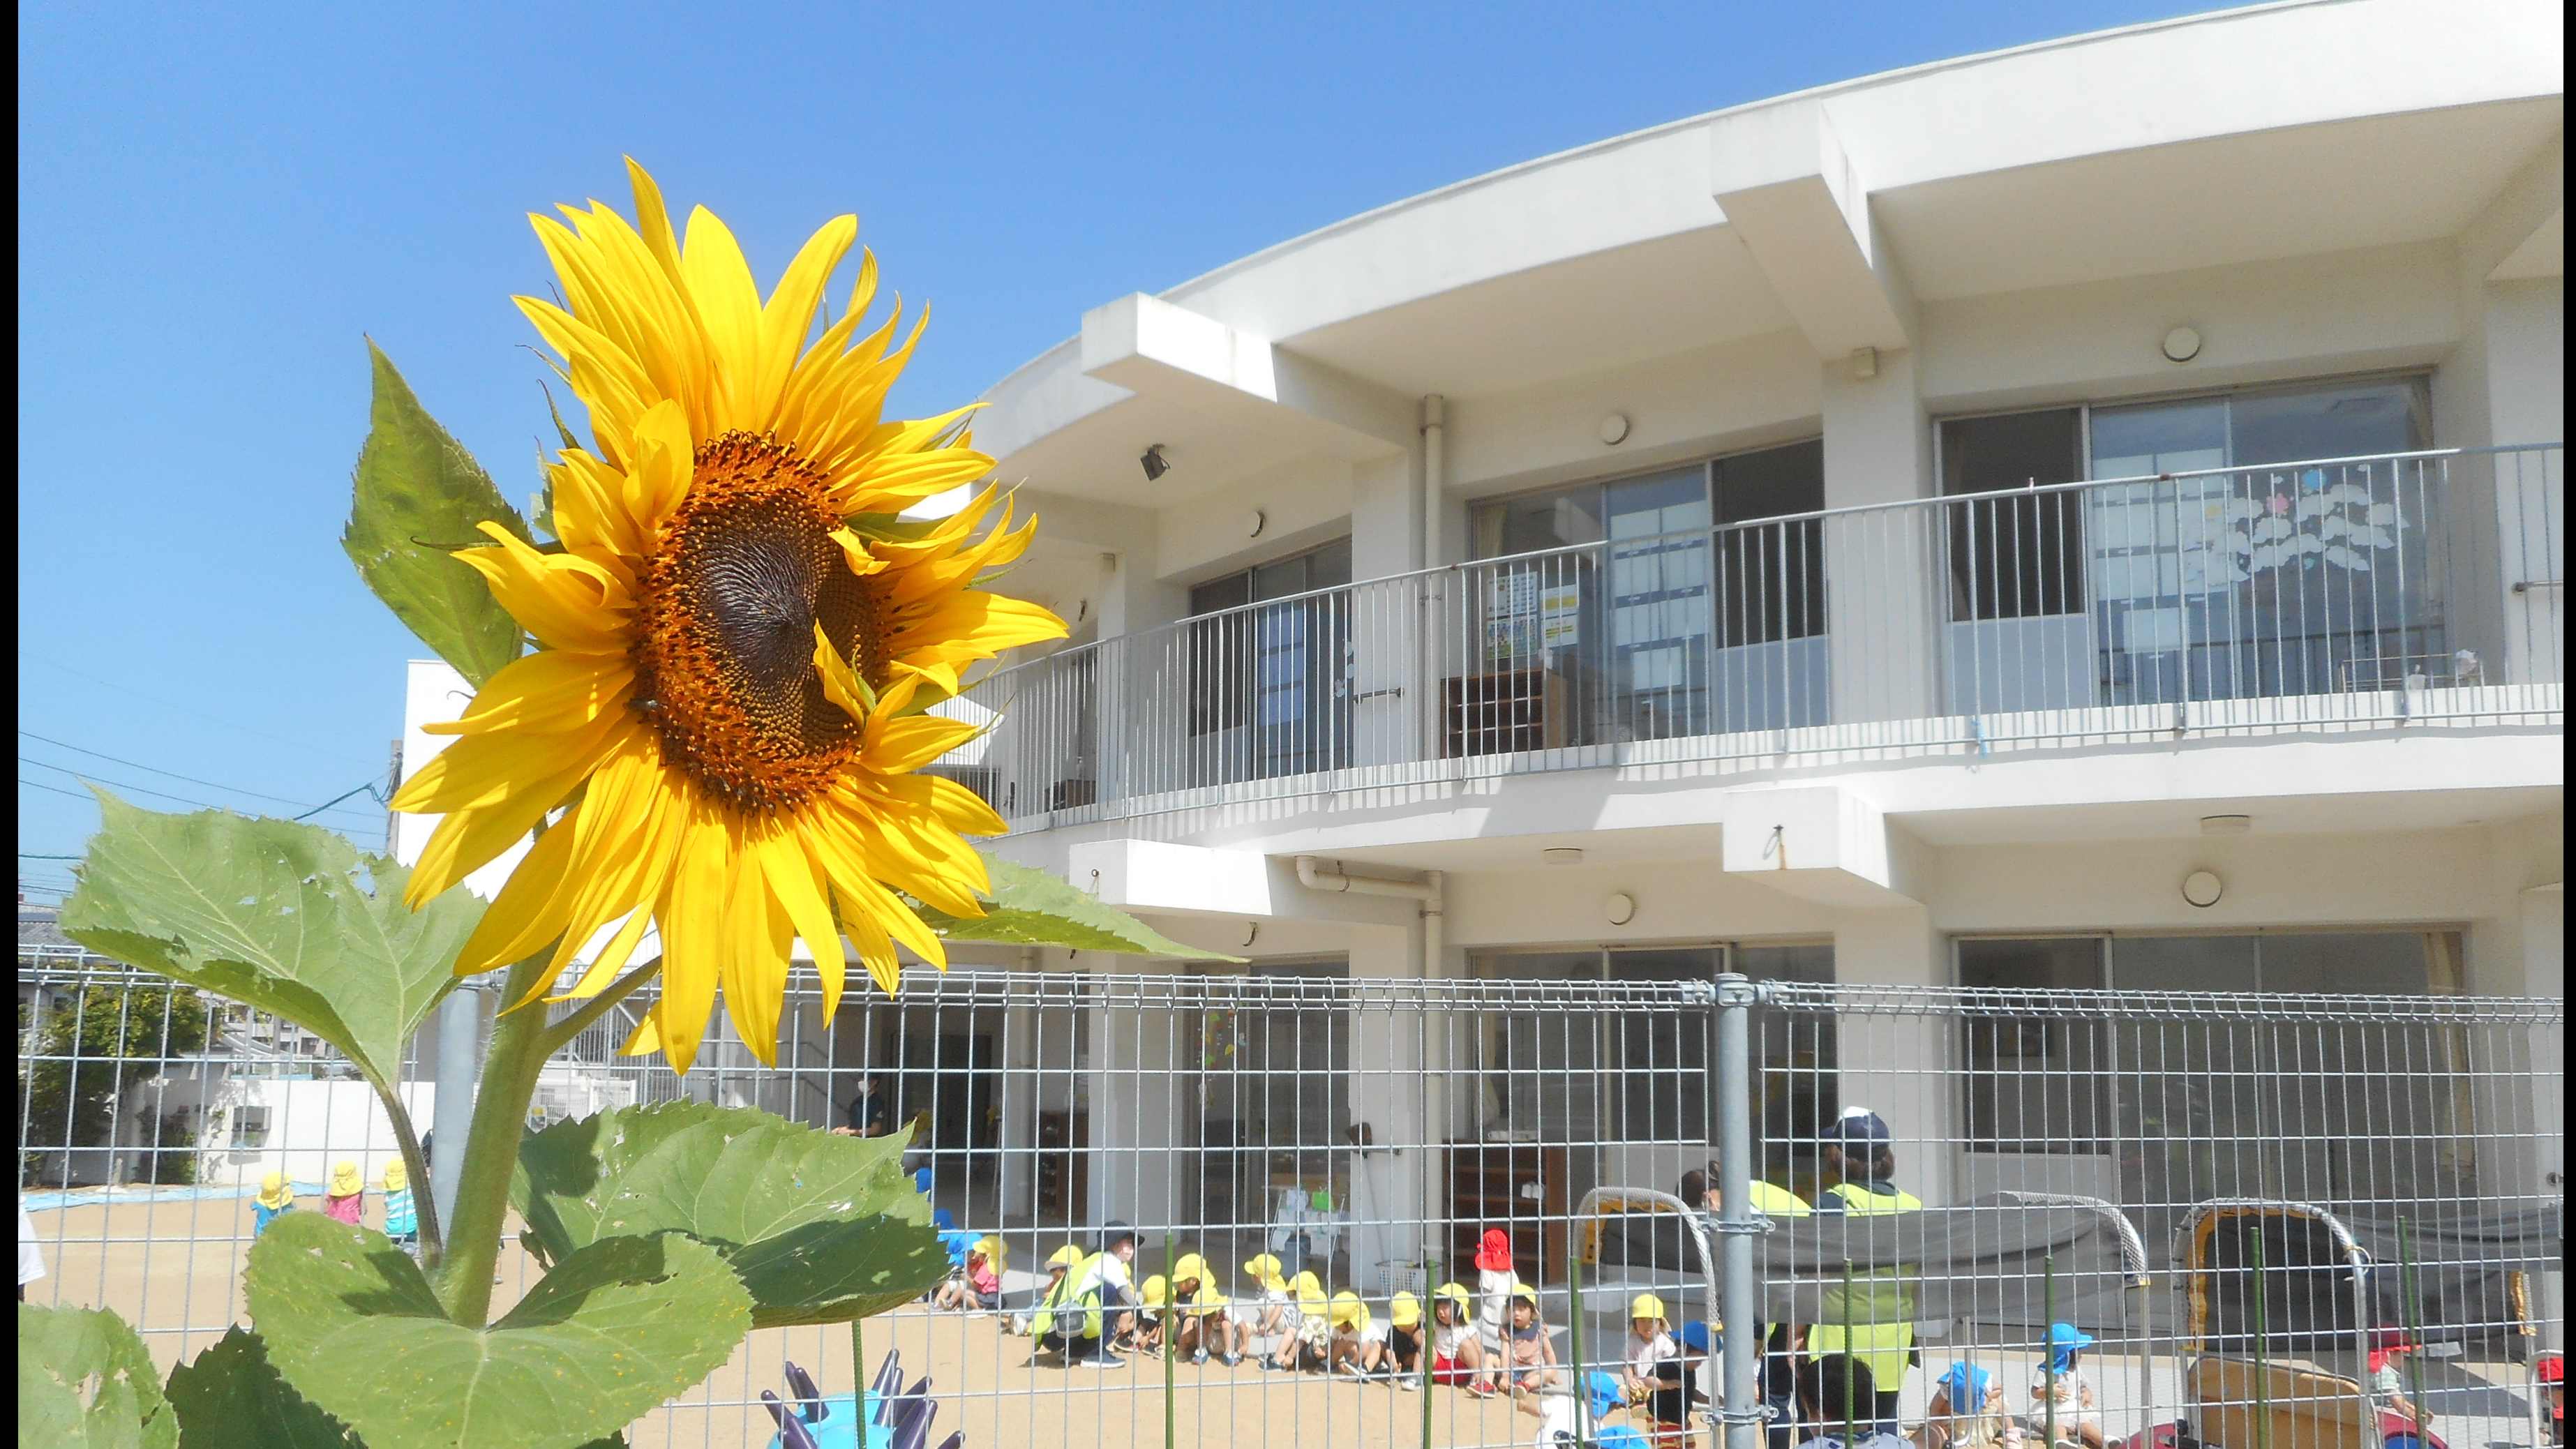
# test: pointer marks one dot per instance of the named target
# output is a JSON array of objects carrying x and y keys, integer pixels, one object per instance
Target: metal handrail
[
  {"x": 1946, "y": 624},
  {"x": 1533, "y": 556}
]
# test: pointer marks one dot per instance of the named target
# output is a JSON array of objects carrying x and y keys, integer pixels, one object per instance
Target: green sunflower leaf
[
  {"x": 1033, "y": 908},
  {"x": 611, "y": 1333},
  {"x": 417, "y": 496},
  {"x": 285, "y": 917},
  {"x": 85, "y": 1380},
  {"x": 821, "y": 1228},
  {"x": 232, "y": 1397}
]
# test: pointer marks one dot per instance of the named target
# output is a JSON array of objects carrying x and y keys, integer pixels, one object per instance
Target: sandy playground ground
[{"x": 173, "y": 1269}]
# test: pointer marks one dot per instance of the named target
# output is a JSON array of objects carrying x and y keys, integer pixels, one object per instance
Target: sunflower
[{"x": 739, "y": 641}]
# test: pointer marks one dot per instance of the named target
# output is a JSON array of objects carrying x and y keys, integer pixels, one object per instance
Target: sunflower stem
[
  {"x": 501, "y": 1100},
  {"x": 561, "y": 1034}
]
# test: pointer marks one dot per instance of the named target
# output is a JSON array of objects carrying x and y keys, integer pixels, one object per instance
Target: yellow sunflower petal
[
  {"x": 549, "y": 691},
  {"x": 567, "y": 601},
  {"x": 789, "y": 875},
  {"x": 841, "y": 684},
  {"x": 692, "y": 917}
]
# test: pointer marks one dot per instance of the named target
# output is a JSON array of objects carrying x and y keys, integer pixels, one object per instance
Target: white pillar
[
  {"x": 1879, "y": 572},
  {"x": 1900, "y": 1067},
  {"x": 1384, "y": 616}
]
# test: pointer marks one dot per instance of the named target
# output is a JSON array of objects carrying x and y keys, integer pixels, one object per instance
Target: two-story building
[
  {"x": 2084, "y": 516},
  {"x": 2089, "y": 515}
]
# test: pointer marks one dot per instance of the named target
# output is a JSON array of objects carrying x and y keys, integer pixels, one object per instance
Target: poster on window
[{"x": 1525, "y": 615}]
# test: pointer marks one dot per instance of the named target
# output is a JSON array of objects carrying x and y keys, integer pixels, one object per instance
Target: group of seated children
[{"x": 1968, "y": 1410}]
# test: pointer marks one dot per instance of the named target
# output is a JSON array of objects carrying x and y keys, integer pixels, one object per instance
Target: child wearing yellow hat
[
  {"x": 1207, "y": 1324},
  {"x": 1650, "y": 1342},
  {"x": 1404, "y": 1335},
  {"x": 1529, "y": 1354},
  {"x": 1457, "y": 1351},
  {"x": 1358, "y": 1343},
  {"x": 978, "y": 1286},
  {"x": 275, "y": 1197},
  {"x": 1268, "y": 1314},
  {"x": 346, "y": 1195},
  {"x": 1064, "y": 1260},
  {"x": 1152, "y": 1319},
  {"x": 402, "y": 1220},
  {"x": 1307, "y": 1324}
]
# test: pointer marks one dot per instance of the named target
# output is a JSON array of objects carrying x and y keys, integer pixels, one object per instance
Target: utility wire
[
  {"x": 339, "y": 825},
  {"x": 152, "y": 769},
  {"x": 182, "y": 799}
]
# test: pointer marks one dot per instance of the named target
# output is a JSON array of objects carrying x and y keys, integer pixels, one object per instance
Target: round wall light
[
  {"x": 1619, "y": 908},
  {"x": 1614, "y": 429},
  {"x": 2182, "y": 345},
  {"x": 2203, "y": 888}
]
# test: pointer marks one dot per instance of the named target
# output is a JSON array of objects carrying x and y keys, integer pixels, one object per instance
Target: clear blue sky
[{"x": 214, "y": 207}]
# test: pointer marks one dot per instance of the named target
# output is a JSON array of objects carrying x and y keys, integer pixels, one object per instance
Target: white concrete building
[
  {"x": 1678, "y": 507},
  {"x": 2087, "y": 515}
]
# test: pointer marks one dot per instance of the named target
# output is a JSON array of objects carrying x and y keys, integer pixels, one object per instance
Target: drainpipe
[
  {"x": 1432, "y": 892},
  {"x": 1435, "y": 479},
  {"x": 1435, "y": 473}
]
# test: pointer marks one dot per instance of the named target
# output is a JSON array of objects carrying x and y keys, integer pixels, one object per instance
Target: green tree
[{"x": 89, "y": 1047}]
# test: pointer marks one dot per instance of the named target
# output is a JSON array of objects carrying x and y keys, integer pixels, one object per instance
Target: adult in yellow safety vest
[
  {"x": 1872, "y": 1320},
  {"x": 1775, "y": 1376}
]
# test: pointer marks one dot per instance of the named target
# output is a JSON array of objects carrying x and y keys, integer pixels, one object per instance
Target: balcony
[{"x": 2417, "y": 590}]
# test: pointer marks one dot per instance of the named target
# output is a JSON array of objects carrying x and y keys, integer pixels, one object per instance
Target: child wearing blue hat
[
  {"x": 1673, "y": 1388},
  {"x": 1604, "y": 1396},
  {"x": 2062, "y": 1391},
  {"x": 1966, "y": 1412}
]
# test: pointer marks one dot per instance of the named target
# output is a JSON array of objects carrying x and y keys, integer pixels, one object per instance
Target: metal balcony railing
[{"x": 2372, "y": 591}]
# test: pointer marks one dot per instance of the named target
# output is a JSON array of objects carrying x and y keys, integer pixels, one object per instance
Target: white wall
[{"x": 312, "y": 1127}]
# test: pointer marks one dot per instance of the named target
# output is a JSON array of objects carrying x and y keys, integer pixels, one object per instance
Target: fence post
[
  {"x": 1739, "y": 1307},
  {"x": 460, "y": 1062}
]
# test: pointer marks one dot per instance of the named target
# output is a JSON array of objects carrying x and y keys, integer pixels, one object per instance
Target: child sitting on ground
[
  {"x": 347, "y": 1194},
  {"x": 1358, "y": 1345},
  {"x": 1061, "y": 1262},
  {"x": 1457, "y": 1354},
  {"x": 1205, "y": 1324},
  {"x": 1650, "y": 1342},
  {"x": 402, "y": 1220},
  {"x": 2061, "y": 1389},
  {"x": 1967, "y": 1412},
  {"x": 1154, "y": 1295},
  {"x": 1559, "y": 1427},
  {"x": 1837, "y": 1405},
  {"x": 1673, "y": 1386},
  {"x": 1267, "y": 1317},
  {"x": 1529, "y": 1355},
  {"x": 1404, "y": 1341},
  {"x": 1308, "y": 1323},
  {"x": 275, "y": 1197},
  {"x": 978, "y": 1285}
]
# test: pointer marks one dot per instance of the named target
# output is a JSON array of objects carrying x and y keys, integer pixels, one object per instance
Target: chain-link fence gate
[{"x": 2282, "y": 1222}]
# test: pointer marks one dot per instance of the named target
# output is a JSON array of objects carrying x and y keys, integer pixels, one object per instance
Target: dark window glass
[
  {"x": 2014, "y": 558},
  {"x": 2039, "y": 1083},
  {"x": 1770, "y": 578}
]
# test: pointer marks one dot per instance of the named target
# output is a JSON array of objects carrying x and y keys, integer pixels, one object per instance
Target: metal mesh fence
[{"x": 2281, "y": 1221}]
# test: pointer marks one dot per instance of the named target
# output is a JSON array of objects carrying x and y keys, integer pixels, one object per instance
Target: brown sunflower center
[{"x": 725, "y": 656}]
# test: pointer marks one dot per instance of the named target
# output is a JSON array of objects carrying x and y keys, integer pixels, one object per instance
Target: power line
[
  {"x": 166, "y": 795},
  {"x": 152, "y": 769}
]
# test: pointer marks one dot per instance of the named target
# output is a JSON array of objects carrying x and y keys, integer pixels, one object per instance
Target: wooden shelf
[
  {"x": 1503, "y": 712},
  {"x": 1487, "y": 1182}
]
